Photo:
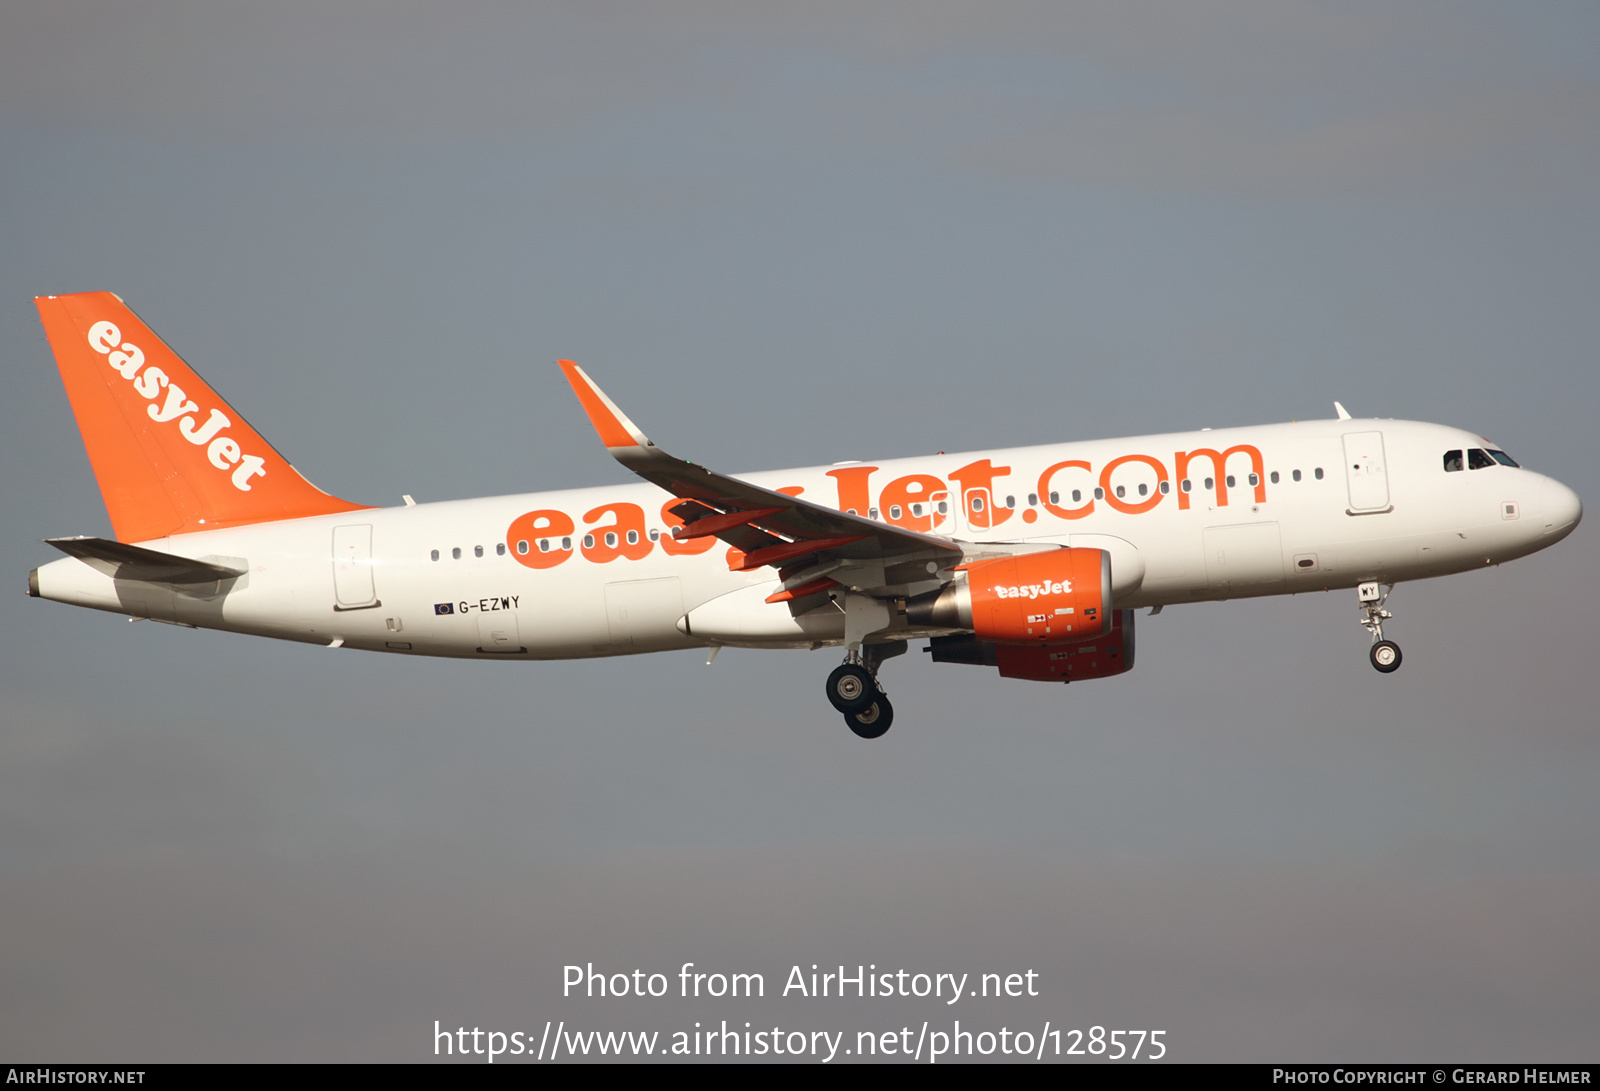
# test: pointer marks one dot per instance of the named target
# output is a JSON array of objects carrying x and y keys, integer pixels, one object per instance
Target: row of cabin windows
[
  {"x": 942, "y": 507},
  {"x": 1165, "y": 486},
  {"x": 1477, "y": 459},
  {"x": 977, "y": 502},
  {"x": 477, "y": 551},
  {"x": 545, "y": 545}
]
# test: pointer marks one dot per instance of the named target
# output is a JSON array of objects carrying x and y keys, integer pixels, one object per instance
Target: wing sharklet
[{"x": 615, "y": 429}]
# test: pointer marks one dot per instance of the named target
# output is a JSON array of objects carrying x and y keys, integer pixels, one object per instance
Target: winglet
[
  {"x": 613, "y": 425},
  {"x": 1344, "y": 414}
]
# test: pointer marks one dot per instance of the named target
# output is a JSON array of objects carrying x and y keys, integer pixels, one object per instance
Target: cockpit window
[
  {"x": 1502, "y": 458},
  {"x": 1452, "y": 461},
  {"x": 1478, "y": 459}
]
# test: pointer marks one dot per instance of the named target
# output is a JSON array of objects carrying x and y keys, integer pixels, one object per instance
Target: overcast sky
[{"x": 787, "y": 235}]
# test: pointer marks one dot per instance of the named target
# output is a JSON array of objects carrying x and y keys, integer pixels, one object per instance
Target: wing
[{"x": 812, "y": 546}]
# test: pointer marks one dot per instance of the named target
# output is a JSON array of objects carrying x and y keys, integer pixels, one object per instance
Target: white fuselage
[{"x": 1331, "y": 504}]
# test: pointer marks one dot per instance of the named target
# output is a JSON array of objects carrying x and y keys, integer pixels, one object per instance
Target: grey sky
[{"x": 786, "y": 235}]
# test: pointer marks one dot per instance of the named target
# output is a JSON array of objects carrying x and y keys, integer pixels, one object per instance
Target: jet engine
[{"x": 1027, "y": 599}]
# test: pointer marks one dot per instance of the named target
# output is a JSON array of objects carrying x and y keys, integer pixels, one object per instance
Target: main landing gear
[
  {"x": 854, "y": 691},
  {"x": 1385, "y": 654}
]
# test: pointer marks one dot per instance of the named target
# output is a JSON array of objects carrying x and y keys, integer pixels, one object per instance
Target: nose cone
[{"x": 1562, "y": 508}]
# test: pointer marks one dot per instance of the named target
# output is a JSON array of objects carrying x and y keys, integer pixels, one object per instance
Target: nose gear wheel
[{"x": 1385, "y": 654}]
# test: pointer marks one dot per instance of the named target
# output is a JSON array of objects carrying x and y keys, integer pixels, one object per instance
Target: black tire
[
  {"x": 851, "y": 688},
  {"x": 1385, "y": 656},
  {"x": 874, "y": 720}
]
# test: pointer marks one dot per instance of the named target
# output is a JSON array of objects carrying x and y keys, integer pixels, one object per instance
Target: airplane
[{"x": 1030, "y": 560}]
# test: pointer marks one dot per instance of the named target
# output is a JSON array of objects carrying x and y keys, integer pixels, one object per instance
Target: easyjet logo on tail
[{"x": 222, "y": 450}]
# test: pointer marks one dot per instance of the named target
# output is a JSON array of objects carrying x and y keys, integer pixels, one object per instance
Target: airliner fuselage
[
  {"x": 1030, "y": 559},
  {"x": 439, "y": 578}
]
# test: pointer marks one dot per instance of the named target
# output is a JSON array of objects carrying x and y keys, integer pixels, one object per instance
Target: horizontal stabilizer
[{"x": 130, "y": 562}]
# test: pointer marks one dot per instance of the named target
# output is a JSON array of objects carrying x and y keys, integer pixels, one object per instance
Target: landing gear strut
[
  {"x": 1385, "y": 654},
  {"x": 854, "y": 691}
]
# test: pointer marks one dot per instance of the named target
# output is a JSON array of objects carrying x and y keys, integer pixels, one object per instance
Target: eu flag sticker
[{"x": 444, "y": 608}]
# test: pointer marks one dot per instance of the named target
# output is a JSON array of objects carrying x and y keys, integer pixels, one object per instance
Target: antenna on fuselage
[{"x": 1344, "y": 414}]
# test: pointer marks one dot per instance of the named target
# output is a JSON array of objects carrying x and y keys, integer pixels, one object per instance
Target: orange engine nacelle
[
  {"x": 1100, "y": 656},
  {"x": 1093, "y": 657},
  {"x": 1029, "y": 599}
]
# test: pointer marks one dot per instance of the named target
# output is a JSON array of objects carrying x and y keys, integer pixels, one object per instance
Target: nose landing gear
[
  {"x": 854, "y": 691},
  {"x": 1385, "y": 654}
]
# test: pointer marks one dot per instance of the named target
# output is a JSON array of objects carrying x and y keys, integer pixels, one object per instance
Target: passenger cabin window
[
  {"x": 1295, "y": 475},
  {"x": 1055, "y": 497},
  {"x": 1478, "y": 459},
  {"x": 1231, "y": 482},
  {"x": 455, "y": 554},
  {"x": 1317, "y": 473},
  {"x": 1121, "y": 492},
  {"x": 1452, "y": 461},
  {"x": 499, "y": 549},
  {"x": 1186, "y": 485},
  {"x": 434, "y": 554},
  {"x": 1209, "y": 483},
  {"x": 1274, "y": 477},
  {"x": 1099, "y": 493},
  {"x": 477, "y": 551},
  {"x": 977, "y": 503},
  {"x": 1165, "y": 486}
]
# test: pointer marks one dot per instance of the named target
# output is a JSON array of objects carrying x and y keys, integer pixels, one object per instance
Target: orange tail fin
[{"x": 170, "y": 456}]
